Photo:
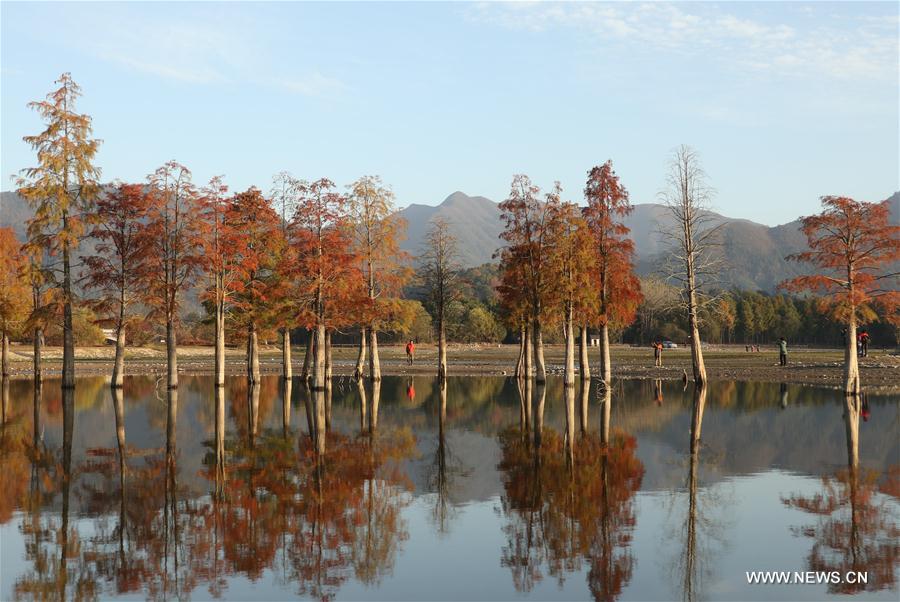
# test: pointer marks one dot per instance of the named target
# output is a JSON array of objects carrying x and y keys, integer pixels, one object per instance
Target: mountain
[{"x": 754, "y": 254}]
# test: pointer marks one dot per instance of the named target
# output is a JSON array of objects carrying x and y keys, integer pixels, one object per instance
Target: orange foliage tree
[
  {"x": 254, "y": 239},
  {"x": 173, "y": 239},
  {"x": 326, "y": 266},
  {"x": 61, "y": 190},
  {"x": 529, "y": 225},
  {"x": 856, "y": 248},
  {"x": 377, "y": 232},
  {"x": 14, "y": 290},
  {"x": 115, "y": 270},
  {"x": 618, "y": 289}
]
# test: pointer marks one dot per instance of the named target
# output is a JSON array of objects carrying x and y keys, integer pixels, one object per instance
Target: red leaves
[{"x": 854, "y": 246}]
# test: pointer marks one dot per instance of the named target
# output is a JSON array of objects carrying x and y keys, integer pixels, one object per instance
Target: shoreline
[{"x": 824, "y": 367}]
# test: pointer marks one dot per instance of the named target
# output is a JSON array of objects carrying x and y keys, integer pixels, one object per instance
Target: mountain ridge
[{"x": 753, "y": 253}]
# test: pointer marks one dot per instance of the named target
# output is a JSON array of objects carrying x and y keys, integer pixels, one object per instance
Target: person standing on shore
[
  {"x": 410, "y": 352},
  {"x": 782, "y": 351},
  {"x": 657, "y": 353}
]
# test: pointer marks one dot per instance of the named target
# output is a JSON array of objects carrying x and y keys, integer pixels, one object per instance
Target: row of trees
[{"x": 308, "y": 255}]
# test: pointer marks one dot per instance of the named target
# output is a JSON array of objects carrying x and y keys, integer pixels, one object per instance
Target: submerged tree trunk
[
  {"x": 361, "y": 358},
  {"x": 442, "y": 351},
  {"x": 528, "y": 364},
  {"x": 287, "y": 371},
  {"x": 252, "y": 354},
  {"x": 539, "y": 363},
  {"x": 569, "y": 377},
  {"x": 4, "y": 355},
  {"x": 328, "y": 366},
  {"x": 584, "y": 358},
  {"x": 374, "y": 361},
  {"x": 605, "y": 415},
  {"x": 373, "y": 407},
  {"x": 520, "y": 362},
  {"x": 539, "y": 414},
  {"x": 319, "y": 361},
  {"x": 286, "y": 406},
  {"x": 118, "y": 374},
  {"x": 37, "y": 358},
  {"x": 583, "y": 408},
  {"x": 68, "y": 365},
  {"x": 851, "y": 363},
  {"x": 220, "y": 346},
  {"x": 363, "y": 405},
  {"x": 171, "y": 354},
  {"x": 307, "y": 358},
  {"x": 696, "y": 350},
  {"x": 570, "y": 424},
  {"x": 605, "y": 363},
  {"x": 220, "y": 441}
]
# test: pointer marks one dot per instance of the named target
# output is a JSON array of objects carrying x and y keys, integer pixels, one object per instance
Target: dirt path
[{"x": 820, "y": 366}]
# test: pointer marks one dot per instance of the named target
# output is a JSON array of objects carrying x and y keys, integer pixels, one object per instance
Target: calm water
[{"x": 471, "y": 492}]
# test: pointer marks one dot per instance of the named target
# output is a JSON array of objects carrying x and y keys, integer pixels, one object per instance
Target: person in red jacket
[{"x": 410, "y": 352}]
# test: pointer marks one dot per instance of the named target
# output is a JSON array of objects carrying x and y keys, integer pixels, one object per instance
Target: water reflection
[
  {"x": 569, "y": 505},
  {"x": 857, "y": 529},
  {"x": 166, "y": 494}
]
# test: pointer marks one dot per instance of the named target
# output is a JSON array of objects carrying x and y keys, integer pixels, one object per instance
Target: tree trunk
[
  {"x": 605, "y": 364},
  {"x": 319, "y": 362},
  {"x": 363, "y": 403},
  {"x": 4, "y": 356},
  {"x": 220, "y": 346},
  {"x": 171, "y": 354},
  {"x": 374, "y": 361},
  {"x": 539, "y": 363},
  {"x": 287, "y": 370},
  {"x": 118, "y": 374},
  {"x": 584, "y": 358},
  {"x": 569, "y": 377},
  {"x": 252, "y": 354},
  {"x": 851, "y": 363},
  {"x": 68, "y": 366},
  {"x": 37, "y": 358},
  {"x": 442, "y": 351},
  {"x": 520, "y": 362},
  {"x": 696, "y": 350},
  {"x": 328, "y": 365},
  {"x": 529, "y": 356},
  {"x": 307, "y": 358},
  {"x": 361, "y": 358}
]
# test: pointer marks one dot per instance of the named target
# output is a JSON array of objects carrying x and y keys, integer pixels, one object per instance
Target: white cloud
[
  {"x": 853, "y": 47},
  {"x": 314, "y": 84}
]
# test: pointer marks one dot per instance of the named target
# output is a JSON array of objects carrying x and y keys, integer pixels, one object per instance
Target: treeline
[{"x": 307, "y": 255}]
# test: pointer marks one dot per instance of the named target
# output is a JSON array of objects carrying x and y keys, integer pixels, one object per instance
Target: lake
[{"x": 482, "y": 489}]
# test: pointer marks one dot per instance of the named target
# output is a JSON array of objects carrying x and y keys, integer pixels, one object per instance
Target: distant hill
[{"x": 754, "y": 254}]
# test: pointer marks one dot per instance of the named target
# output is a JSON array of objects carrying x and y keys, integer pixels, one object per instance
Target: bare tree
[
  {"x": 693, "y": 241},
  {"x": 439, "y": 269}
]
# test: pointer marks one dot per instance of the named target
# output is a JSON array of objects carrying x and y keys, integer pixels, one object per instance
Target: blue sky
[{"x": 784, "y": 101}]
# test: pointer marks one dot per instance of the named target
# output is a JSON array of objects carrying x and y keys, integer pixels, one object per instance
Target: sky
[{"x": 784, "y": 102}]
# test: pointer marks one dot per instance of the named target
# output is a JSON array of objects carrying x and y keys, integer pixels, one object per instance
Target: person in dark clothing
[{"x": 782, "y": 351}]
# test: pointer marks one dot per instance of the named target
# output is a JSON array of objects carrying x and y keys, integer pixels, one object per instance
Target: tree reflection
[
  {"x": 567, "y": 505},
  {"x": 857, "y": 529},
  {"x": 692, "y": 561}
]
